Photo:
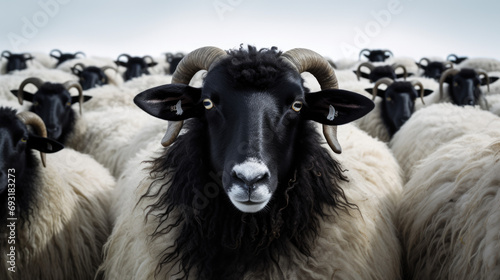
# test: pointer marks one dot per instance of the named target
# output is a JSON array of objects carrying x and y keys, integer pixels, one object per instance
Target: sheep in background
[
  {"x": 62, "y": 57},
  {"x": 298, "y": 234},
  {"x": 113, "y": 78},
  {"x": 378, "y": 72},
  {"x": 433, "y": 69},
  {"x": 173, "y": 60},
  {"x": 92, "y": 76},
  {"x": 393, "y": 108},
  {"x": 61, "y": 210},
  {"x": 483, "y": 64},
  {"x": 52, "y": 102},
  {"x": 449, "y": 217},
  {"x": 15, "y": 61},
  {"x": 494, "y": 103},
  {"x": 435, "y": 125},
  {"x": 135, "y": 66},
  {"x": 376, "y": 55}
]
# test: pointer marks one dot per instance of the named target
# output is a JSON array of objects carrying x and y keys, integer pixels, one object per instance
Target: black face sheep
[
  {"x": 395, "y": 106},
  {"x": 91, "y": 76},
  {"x": 62, "y": 57},
  {"x": 378, "y": 72},
  {"x": 375, "y": 55},
  {"x": 52, "y": 102},
  {"x": 57, "y": 215},
  {"x": 174, "y": 60},
  {"x": 249, "y": 192},
  {"x": 464, "y": 86},
  {"x": 434, "y": 69},
  {"x": 16, "y": 61},
  {"x": 136, "y": 66}
]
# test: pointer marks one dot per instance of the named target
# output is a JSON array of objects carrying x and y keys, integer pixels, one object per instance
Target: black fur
[{"x": 219, "y": 241}]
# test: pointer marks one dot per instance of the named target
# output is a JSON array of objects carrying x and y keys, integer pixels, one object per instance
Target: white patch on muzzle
[{"x": 250, "y": 193}]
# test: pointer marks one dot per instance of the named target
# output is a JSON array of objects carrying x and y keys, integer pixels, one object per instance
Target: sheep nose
[
  {"x": 470, "y": 102},
  {"x": 251, "y": 173},
  {"x": 251, "y": 179}
]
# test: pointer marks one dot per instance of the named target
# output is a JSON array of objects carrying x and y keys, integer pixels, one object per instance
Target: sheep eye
[
  {"x": 455, "y": 84},
  {"x": 208, "y": 104},
  {"x": 68, "y": 103},
  {"x": 388, "y": 99},
  {"x": 296, "y": 106},
  {"x": 36, "y": 103},
  {"x": 24, "y": 139}
]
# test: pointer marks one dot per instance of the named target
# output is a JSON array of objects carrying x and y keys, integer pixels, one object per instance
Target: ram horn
[
  {"x": 82, "y": 53},
  {"x": 385, "y": 81},
  {"x": 396, "y": 66},
  {"x": 29, "y": 56},
  {"x": 388, "y": 51},
  {"x": 125, "y": 55},
  {"x": 148, "y": 56},
  {"x": 361, "y": 53},
  {"x": 37, "y": 82},
  {"x": 419, "y": 84},
  {"x": 57, "y": 51},
  {"x": 443, "y": 78},
  {"x": 74, "y": 68},
  {"x": 200, "y": 59},
  {"x": 448, "y": 64},
  {"x": 369, "y": 65},
  {"x": 479, "y": 73},
  {"x": 6, "y": 52},
  {"x": 424, "y": 59},
  {"x": 452, "y": 56},
  {"x": 305, "y": 60},
  {"x": 30, "y": 118},
  {"x": 71, "y": 84}
]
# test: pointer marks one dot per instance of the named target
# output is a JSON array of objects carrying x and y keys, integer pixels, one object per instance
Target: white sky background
[{"x": 336, "y": 29}]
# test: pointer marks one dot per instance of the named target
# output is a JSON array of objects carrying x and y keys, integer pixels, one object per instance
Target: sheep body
[
  {"x": 69, "y": 224},
  {"x": 449, "y": 215},
  {"x": 484, "y": 64},
  {"x": 435, "y": 125},
  {"x": 113, "y": 77},
  {"x": 358, "y": 245}
]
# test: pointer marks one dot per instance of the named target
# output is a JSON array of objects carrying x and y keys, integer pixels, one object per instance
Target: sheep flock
[{"x": 249, "y": 164}]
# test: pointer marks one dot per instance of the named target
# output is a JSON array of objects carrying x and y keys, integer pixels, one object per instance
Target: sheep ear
[
  {"x": 336, "y": 107},
  {"x": 28, "y": 96},
  {"x": 44, "y": 145},
  {"x": 172, "y": 102},
  {"x": 380, "y": 92},
  {"x": 121, "y": 63},
  {"x": 152, "y": 64},
  {"x": 76, "y": 99},
  {"x": 492, "y": 80},
  {"x": 427, "y": 91}
]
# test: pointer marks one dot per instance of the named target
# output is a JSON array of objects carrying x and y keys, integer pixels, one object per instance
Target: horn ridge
[
  {"x": 72, "y": 84},
  {"x": 385, "y": 81},
  {"x": 445, "y": 75},
  {"x": 37, "y": 82}
]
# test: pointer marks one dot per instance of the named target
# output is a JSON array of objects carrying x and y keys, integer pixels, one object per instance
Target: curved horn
[
  {"x": 385, "y": 81},
  {"x": 33, "y": 80},
  {"x": 419, "y": 84},
  {"x": 388, "y": 51},
  {"x": 148, "y": 56},
  {"x": 82, "y": 53},
  {"x": 479, "y": 73},
  {"x": 452, "y": 55},
  {"x": 443, "y": 78},
  {"x": 55, "y": 50},
  {"x": 71, "y": 84},
  {"x": 6, "y": 52},
  {"x": 424, "y": 59},
  {"x": 396, "y": 66},
  {"x": 75, "y": 67},
  {"x": 123, "y": 54},
  {"x": 369, "y": 65},
  {"x": 448, "y": 64},
  {"x": 200, "y": 59},
  {"x": 362, "y": 51},
  {"x": 306, "y": 60},
  {"x": 30, "y": 118},
  {"x": 104, "y": 68}
]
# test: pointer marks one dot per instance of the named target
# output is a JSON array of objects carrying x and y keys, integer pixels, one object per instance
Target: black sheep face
[
  {"x": 17, "y": 61},
  {"x": 91, "y": 77},
  {"x": 434, "y": 69},
  {"x": 385, "y": 71},
  {"x": 377, "y": 55},
  {"x": 253, "y": 103},
  {"x": 465, "y": 87},
  {"x": 136, "y": 67}
]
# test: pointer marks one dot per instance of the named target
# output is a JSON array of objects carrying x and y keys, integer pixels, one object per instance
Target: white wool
[
  {"x": 494, "y": 103},
  {"x": 70, "y": 221},
  {"x": 449, "y": 216},
  {"x": 435, "y": 125},
  {"x": 359, "y": 245}
]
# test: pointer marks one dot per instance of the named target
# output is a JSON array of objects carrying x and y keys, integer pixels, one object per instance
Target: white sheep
[
  {"x": 351, "y": 243},
  {"x": 480, "y": 63},
  {"x": 433, "y": 126},
  {"x": 61, "y": 210},
  {"x": 449, "y": 217}
]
